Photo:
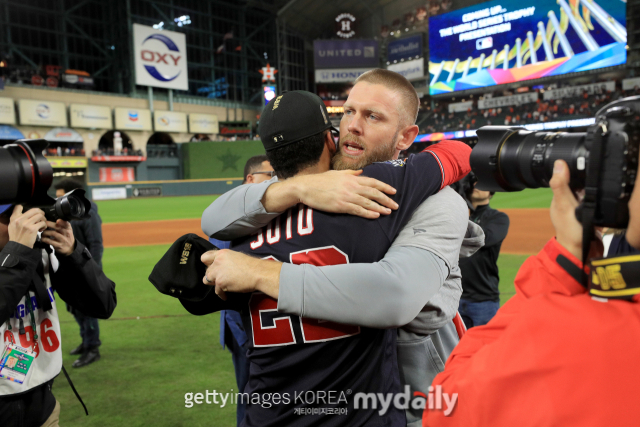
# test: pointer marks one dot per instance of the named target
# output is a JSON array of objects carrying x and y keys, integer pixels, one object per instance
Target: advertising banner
[
  {"x": 411, "y": 70},
  {"x": 503, "y": 101},
  {"x": 63, "y": 135},
  {"x": 160, "y": 58},
  {"x": 575, "y": 91},
  {"x": 132, "y": 118},
  {"x": 90, "y": 116},
  {"x": 630, "y": 84},
  {"x": 203, "y": 123},
  {"x": 7, "y": 112},
  {"x": 170, "y": 121},
  {"x": 345, "y": 54},
  {"x": 345, "y": 75},
  {"x": 108, "y": 193},
  {"x": 460, "y": 107},
  {"x": 68, "y": 162},
  {"x": 507, "y": 41},
  {"x": 109, "y": 174},
  {"x": 409, "y": 47},
  {"x": 42, "y": 113},
  {"x": 147, "y": 192}
]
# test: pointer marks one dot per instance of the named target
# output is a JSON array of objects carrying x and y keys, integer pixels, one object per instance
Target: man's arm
[
  {"x": 78, "y": 279},
  {"x": 245, "y": 209},
  {"x": 435, "y": 231},
  {"x": 237, "y": 212},
  {"x": 81, "y": 283},
  {"x": 386, "y": 294},
  {"x": 93, "y": 235},
  {"x": 496, "y": 229}
]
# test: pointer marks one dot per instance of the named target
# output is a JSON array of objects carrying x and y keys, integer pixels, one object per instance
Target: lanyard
[{"x": 34, "y": 327}]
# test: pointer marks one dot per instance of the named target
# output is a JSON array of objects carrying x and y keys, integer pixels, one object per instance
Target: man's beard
[{"x": 380, "y": 153}]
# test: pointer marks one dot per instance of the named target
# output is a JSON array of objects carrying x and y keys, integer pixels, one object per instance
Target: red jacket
[{"x": 552, "y": 356}]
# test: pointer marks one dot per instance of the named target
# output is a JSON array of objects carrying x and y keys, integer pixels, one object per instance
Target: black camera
[
  {"x": 603, "y": 161},
  {"x": 26, "y": 176}
]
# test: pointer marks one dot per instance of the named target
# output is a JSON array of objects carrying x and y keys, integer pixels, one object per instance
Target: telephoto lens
[
  {"x": 25, "y": 174},
  {"x": 516, "y": 158},
  {"x": 604, "y": 160}
]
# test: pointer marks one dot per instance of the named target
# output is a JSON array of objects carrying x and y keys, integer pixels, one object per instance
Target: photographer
[
  {"x": 555, "y": 353},
  {"x": 31, "y": 269},
  {"x": 480, "y": 298},
  {"x": 89, "y": 233}
]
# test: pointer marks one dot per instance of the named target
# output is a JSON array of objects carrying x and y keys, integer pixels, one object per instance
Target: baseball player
[{"x": 290, "y": 355}]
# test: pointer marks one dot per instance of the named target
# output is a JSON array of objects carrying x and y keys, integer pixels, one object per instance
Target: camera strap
[
  {"x": 39, "y": 287},
  {"x": 589, "y": 204},
  {"x": 615, "y": 277}
]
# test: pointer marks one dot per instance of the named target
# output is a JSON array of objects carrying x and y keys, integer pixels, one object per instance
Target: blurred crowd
[
  {"x": 67, "y": 151},
  {"x": 586, "y": 105}
]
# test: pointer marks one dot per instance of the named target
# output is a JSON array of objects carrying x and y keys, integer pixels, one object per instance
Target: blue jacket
[{"x": 229, "y": 318}]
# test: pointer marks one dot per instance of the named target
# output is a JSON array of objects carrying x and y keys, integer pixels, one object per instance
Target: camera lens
[
  {"x": 24, "y": 172},
  {"x": 512, "y": 159}
]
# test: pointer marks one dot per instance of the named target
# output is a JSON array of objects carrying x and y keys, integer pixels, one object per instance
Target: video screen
[{"x": 506, "y": 41}]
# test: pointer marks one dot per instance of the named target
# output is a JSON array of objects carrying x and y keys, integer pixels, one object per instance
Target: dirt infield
[
  {"x": 148, "y": 232},
  {"x": 529, "y": 231}
]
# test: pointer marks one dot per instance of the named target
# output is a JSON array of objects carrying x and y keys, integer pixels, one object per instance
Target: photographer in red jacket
[{"x": 556, "y": 354}]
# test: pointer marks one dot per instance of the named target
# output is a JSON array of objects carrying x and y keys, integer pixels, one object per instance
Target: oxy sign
[{"x": 160, "y": 58}]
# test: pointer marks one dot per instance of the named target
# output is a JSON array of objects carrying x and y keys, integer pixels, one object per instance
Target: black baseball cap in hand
[
  {"x": 291, "y": 117},
  {"x": 179, "y": 272}
]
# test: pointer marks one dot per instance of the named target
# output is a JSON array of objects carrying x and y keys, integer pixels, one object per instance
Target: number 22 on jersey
[{"x": 271, "y": 328}]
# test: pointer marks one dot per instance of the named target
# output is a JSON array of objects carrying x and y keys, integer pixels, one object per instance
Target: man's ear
[
  {"x": 249, "y": 179},
  {"x": 406, "y": 137},
  {"x": 330, "y": 143}
]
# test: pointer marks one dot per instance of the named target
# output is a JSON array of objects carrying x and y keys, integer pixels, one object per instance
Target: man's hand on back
[
  {"x": 231, "y": 271},
  {"x": 333, "y": 191}
]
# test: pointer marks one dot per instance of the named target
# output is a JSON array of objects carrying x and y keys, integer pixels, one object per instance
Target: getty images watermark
[{"x": 435, "y": 399}]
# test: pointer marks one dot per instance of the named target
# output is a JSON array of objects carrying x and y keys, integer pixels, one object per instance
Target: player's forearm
[
  {"x": 238, "y": 212},
  {"x": 386, "y": 294},
  {"x": 281, "y": 195}
]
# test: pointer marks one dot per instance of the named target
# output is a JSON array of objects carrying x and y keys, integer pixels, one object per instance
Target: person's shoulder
[
  {"x": 447, "y": 202},
  {"x": 496, "y": 214},
  {"x": 384, "y": 165}
]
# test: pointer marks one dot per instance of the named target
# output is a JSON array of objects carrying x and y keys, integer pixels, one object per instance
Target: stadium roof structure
[{"x": 313, "y": 17}]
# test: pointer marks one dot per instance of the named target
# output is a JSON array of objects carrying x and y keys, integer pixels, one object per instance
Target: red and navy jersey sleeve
[{"x": 418, "y": 177}]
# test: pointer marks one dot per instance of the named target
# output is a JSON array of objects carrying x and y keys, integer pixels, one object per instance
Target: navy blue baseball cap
[{"x": 4, "y": 208}]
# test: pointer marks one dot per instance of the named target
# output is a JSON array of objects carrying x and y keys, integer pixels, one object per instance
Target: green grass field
[
  {"x": 159, "y": 208},
  {"x": 153, "y": 352},
  {"x": 526, "y": 199},
  {"x": 148, "y": 364},
  {"x": 153, "y": 209}
]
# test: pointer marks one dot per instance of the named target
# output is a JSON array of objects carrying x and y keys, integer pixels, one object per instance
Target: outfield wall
[
  {"x": 215, "y": 159},
  {"x": 183, "y": 187}
]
